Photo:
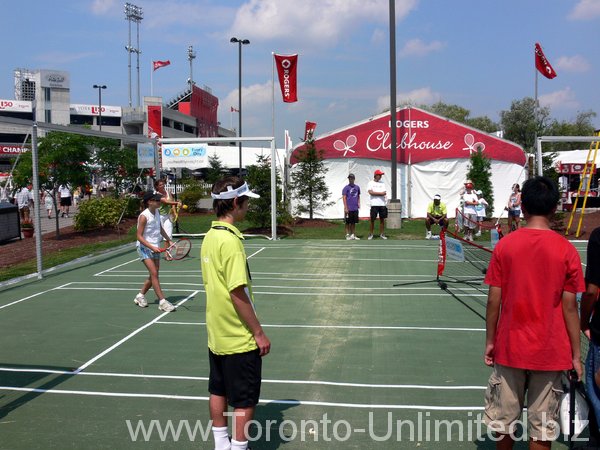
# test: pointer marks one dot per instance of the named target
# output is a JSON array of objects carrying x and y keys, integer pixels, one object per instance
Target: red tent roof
[{"x": 422, "y": 136}]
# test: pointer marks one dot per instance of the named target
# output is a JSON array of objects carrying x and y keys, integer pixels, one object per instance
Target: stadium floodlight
[{"x": 240, "y": 42}]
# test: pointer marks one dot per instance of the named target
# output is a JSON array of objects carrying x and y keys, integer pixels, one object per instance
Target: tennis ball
[{"x": 185, "y": 206}]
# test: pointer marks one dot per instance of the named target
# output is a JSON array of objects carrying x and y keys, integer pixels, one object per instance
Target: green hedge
[{"x": 104, "y": 212}]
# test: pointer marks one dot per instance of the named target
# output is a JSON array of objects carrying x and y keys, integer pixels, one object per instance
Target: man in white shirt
[
  {"x": 377, "y": 194},
  {"x": 65, "y": 199},
  {"x": 470, "y": 212},
  {"x": 25, "y": 202}
]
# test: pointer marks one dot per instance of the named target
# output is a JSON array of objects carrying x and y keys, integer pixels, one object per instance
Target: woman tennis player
[{"x": 149, "y": 235}]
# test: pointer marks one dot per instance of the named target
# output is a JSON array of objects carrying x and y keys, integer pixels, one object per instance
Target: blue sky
[{"x": 474, "y": 53}]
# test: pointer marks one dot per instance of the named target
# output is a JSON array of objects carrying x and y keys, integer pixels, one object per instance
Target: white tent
[{"x": 432, "y": 158}]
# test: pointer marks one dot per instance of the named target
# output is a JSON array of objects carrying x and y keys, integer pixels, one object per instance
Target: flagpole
[
  {"x": 151, "y": 79},
  {"x": 535, "y": 119},
  {"x": 273, "y": 91}
]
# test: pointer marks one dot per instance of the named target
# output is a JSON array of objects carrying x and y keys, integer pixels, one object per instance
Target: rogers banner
[
  {"x": 309, "y": 130},
  {"x": 286, "y": 70},
  {"x": 542, "y": 64},
  {"x": 422, "y": 136}
]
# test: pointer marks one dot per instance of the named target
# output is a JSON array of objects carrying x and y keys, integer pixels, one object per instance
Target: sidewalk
[{"x": 49, "y": 225}]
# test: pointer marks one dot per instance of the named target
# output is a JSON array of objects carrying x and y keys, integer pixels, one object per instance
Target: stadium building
[{"x": 191, "y": 114}]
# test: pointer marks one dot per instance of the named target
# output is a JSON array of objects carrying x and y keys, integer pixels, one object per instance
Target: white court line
[
  {"x": 312, "y": 258},
  {"x": 257, "y": 252},
  {"x": 342, "y": 327},
  {"x": 130, "y": 335},
  {"x": 267, "y": 381},
  {"x": 34, "y": 295},
  {"x": 262, "y": 401},
  {"x": 256, "y": 290},
  {"x": 116, "y": 267}
]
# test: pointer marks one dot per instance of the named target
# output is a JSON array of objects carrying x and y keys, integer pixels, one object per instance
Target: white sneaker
[
  {"x": 166, "y": 306},
  {"x": 140, "y": 300},
  {"x": 348, "y": 237},
  {"x": 428, "y": 235},
  {"x": 383, "y": 236},
  {"x": 370, "y": 237},
  {"x": 478, "y": 234},
  {"x": 355, "y": 238}
]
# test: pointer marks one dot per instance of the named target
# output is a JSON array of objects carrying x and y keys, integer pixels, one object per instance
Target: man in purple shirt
[{"x": 351, "y": 197}]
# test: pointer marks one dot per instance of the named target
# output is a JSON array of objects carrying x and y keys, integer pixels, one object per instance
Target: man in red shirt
[{"x": 532, "y": 321}]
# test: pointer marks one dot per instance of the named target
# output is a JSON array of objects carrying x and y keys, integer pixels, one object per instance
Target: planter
[{"x": 27, "y": 232}]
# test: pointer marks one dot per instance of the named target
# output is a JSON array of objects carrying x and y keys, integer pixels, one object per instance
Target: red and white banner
[
  {"x": 287, "y": 71},
  {"x": 13, "y": 149},
  {"x": 421, "y": 136},
  {"x": 159, "y": 64},
  {"x": 15, "y": 106},
  {"x": 574, "y": 168},
  {"x": 309, "y": 130},
  {"x": 542, "y": 64}
]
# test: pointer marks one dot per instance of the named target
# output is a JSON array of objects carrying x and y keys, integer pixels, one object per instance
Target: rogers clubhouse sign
[{"x": 421, "y": 135}]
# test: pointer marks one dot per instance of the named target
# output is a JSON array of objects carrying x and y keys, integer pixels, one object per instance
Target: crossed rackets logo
[
  {"x": 345, "y": 147},
  {"x": 473, "y": 146}
]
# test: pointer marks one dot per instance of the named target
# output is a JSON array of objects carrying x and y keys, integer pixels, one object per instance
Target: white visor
[{"x": 233, "y": 193}]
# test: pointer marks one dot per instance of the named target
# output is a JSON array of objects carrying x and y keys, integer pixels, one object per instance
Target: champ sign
[{"x": 189, "y": 156}]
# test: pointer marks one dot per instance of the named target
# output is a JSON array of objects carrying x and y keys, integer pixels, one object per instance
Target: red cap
[{"x": 379, "y": 172}]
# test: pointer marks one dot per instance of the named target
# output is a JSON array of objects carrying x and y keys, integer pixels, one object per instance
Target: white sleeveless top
[{"x": 152, "y": 230}]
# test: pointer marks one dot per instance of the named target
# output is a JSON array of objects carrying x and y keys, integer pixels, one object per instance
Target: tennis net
[{"x": 462, "y": 261}]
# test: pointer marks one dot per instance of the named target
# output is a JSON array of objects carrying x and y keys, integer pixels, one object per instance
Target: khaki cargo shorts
[{"x": 505, "y": 398}]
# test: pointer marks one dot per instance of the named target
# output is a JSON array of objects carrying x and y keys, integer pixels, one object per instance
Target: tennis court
[{"x": 356, "y": 362}]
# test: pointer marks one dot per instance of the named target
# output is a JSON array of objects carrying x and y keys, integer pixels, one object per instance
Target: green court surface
[{"x": 356, "y": 363}]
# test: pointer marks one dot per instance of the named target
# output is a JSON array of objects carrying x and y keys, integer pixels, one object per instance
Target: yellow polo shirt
[{"x": 224, "y": 268}]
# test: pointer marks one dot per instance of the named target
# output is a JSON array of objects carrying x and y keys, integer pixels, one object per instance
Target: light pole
[
  {"x": 99, "y": 87},
  {"x": 240, "y": 42}
]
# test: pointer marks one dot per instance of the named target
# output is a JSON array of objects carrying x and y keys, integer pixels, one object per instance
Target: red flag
[
  {"x": 542, "y": 64},
  {"x": 309, "y": 130},
  {"x": 159, "y": 64},
  {"x": 234, "y": 110},
  {"x": 286, "y": 69}
]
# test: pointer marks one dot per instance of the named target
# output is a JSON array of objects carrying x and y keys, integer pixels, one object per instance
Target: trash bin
[
  {"x": 394, "y": 221},
  {"x": 10, "y": 226}
]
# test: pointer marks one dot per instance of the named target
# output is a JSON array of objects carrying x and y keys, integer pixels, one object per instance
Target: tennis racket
[
  {"x": 175, "y": 212},
  {"x": 178, "y": 249}
]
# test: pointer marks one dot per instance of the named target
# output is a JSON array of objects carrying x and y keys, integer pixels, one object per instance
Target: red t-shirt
[{"x": 533, "y": 268}]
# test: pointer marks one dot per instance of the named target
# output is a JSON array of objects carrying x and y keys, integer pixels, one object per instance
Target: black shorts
[
  {"x": 236, "y": 377},
  {"x": 352, "y": 217},
  {"x": 65, "y": 201},
  {"x": 382, "y": 211}
]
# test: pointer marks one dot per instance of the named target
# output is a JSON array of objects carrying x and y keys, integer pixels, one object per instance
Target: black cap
[{"x": 151, "y": 195}]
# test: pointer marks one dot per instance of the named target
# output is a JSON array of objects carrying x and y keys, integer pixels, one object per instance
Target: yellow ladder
[{"x": 586, "y": 178}]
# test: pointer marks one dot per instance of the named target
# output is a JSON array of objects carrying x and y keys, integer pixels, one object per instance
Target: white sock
[
  {"x": 221, "y": 438},
  {"x": 237, "y": 445}
]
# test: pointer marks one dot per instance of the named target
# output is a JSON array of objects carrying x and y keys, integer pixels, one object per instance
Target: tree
[
  {"x": 259, "y": 178},
  {"x": 308, "y": 181},
  {"x": 480, "y": 172},
  {"x": 62, "y": 159},
  {"x": 115, "y": 162},
  {"x": 462, "y": 115},
  {"x": 452, "y": 112},
  {"x": 521, "y": 125},
  {"x": 215, "y": 169},
  {"x": 581, "y": 127}
]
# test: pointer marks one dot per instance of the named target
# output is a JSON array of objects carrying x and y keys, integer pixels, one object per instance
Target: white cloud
[
  {"x": 415, "y": 97},
  {"x": 101, "y": 7},
  {"x": 317, "y": 22},
  {"x": 416, "y": 47},
  {"x": 563, "y": 99},
  {"x": 585, "y": 10},
  {"x": 576, "y": 64}
]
